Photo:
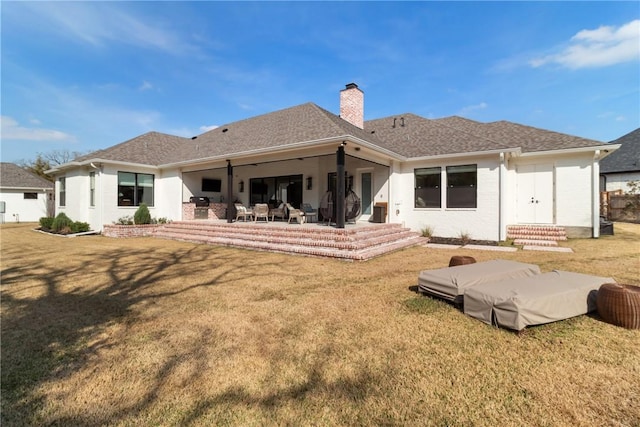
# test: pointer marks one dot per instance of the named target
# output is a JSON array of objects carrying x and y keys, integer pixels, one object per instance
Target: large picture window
[
  {"x": 462, "y": 185},
  {"x": 62, "y": 192},
  {"x": 428, "y": 188},
  {"x": 135, "y": 188}
]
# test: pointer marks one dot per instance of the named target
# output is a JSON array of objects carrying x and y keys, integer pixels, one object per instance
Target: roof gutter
[
  {"x": 8, "y": 187},
  {"x": 514, "y": 150},
  {"x": 97, "y": 161},
  {"x": 604, "y": 150}
]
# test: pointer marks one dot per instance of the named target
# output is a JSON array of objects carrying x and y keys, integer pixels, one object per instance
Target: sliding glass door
[{"x": 277, "y": 189}]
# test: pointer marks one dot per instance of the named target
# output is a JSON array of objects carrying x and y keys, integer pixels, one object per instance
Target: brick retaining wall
[{"x": 117, "y": 230}]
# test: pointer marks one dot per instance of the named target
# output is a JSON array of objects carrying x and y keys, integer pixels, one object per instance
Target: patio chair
[
  {"x": 261, "y": 210},
  {"x": 243, "y": 212},
  {"x": 309, "y": 212},
  {"x": 298, "y": 214},
  {"x": 278, "y": 212}
]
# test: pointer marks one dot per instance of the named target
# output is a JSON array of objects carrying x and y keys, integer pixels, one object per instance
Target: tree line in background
[{"x": 45, "y": 161}]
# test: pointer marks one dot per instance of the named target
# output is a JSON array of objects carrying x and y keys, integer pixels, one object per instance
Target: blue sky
[{"x": 83, "y": 76}]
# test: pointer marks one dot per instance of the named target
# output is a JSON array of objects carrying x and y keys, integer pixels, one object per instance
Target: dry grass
[{"x": 99, "y": 331}]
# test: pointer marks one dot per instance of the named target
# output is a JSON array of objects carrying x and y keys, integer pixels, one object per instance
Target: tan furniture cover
[
  {"x": 450, "y": 283},
  {"x": 518, "y": 303}
]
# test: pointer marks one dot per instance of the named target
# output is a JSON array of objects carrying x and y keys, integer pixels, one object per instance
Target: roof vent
[
  {"x": 224, "y": 130},
  {"x": 193, "y": 137}
]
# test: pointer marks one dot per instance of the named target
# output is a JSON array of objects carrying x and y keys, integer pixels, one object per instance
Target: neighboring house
[
  {"x": 24, "y": 196},
  {"x": 622, "y": 166},
  {"x": 452, "y": 174}
]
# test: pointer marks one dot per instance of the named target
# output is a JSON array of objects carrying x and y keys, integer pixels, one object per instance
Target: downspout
[
  {"x": 502, "y": 172},
  {"x": 595, "y": 184}
]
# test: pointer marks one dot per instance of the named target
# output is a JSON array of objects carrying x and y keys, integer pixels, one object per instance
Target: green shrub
[
  {"x": 142, "y": 215},
  {"x": 61, "y": 222},
  {"x": 124, "y": 220},
  {"x": 79, "y": 227},
  {"x": 46, "y": 222}
]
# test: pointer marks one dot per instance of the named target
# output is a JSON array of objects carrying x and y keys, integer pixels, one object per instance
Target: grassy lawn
[{"x": 100, "y": 331}]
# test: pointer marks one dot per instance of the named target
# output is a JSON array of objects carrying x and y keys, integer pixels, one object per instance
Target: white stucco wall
[
  {"x": 480, "y": 223},
  {"x": 76, "y": 195},
  {"x": 573, "y": 188},
  {"x": 19, "y": 209},
  {"x": 574, "y": 191},
  {"x": 619, "y": 181}
]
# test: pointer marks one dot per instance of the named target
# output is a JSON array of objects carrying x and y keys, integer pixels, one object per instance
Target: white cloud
[
  {"x": 11, "y": 130},
  {"x": 208, "y": 128},
  {"x": 98, "y": 23},
  {"x": 145, "y": 86},
  {"x": 604, "y": 46},
  {"x": 471, "y": 108}
]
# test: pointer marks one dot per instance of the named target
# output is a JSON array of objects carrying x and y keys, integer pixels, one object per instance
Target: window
[
  {"x": 30, "y": 196},
  {"x": 62, "y": 191},
  {"x": 462, "y": 186},
  {"x": 135, "y": 188},
  {"x": 92, "y": 188},
  {"x": 428, "y": 188}
]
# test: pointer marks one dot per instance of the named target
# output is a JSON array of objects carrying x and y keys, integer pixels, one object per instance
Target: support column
[
  {"x": 229, "y": 192},
  {"x": 340, "y": 186}
]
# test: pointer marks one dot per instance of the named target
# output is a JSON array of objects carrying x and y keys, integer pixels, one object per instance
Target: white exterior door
[
  {"x": 534, "y": 196},
  {"x": 365, "y": 191}
]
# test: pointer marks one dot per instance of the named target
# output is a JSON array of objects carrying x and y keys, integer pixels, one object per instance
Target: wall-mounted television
[{"x": 211, "y": 185}]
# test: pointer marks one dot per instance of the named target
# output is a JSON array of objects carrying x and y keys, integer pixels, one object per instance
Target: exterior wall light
[
  {"x": 241, "y": 184},
  {"x": 309, "y": 183}
]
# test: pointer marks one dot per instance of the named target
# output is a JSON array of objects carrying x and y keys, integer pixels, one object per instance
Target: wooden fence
[{"x": 615, "y": 206}]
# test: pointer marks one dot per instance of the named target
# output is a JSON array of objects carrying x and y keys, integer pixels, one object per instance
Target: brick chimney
[{"x": 352, "y": 105}]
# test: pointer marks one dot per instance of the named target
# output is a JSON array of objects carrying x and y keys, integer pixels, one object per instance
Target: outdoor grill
[
  {"x": 201, "y": 210},
  {"x": 200, "y": 201}
]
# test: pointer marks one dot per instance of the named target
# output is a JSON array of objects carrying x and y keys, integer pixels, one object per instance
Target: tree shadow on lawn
[{"x": 55, "y": 332}]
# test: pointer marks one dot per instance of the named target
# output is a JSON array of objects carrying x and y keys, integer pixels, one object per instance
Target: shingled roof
[
  {"x": 528, "y": 138},
  {"x": 626, "y": 158},
  {"x": 415, "y": 136},
  {"x": 13, "y": 176},
  {"x": 279, "y": 129},
  {"x": 411, "y": 137},
  {"x": 152, "y": 148}
]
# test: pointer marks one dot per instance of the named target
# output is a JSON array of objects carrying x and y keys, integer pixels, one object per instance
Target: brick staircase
[
  {"x": 354, "y": 242},
  {"x": 536, "y": 235}
]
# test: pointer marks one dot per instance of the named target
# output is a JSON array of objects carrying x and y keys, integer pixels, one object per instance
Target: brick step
[
  {"x": 363, "y": 240},
  {"x": 256, "y": 230},
  {"x": 358, "y": 243},
  {"x": 533, "y": 232}
]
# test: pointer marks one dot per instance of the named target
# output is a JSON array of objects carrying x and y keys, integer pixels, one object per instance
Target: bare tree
[{"x": 46, "y": 161}]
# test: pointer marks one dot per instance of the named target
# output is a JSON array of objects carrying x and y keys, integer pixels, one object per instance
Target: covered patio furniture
[
  {"x": 450, "y": 283},
  {"x": 520, "y": 302},
  {"x": 243, "y": 212},
  {"x": 298, "y": 214},
  {"x": 278, "y": 212},
  {"x": 619, "y": 305},
  {"x": 261, "y": 210},
  {"x": 309, "y": 212}
]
